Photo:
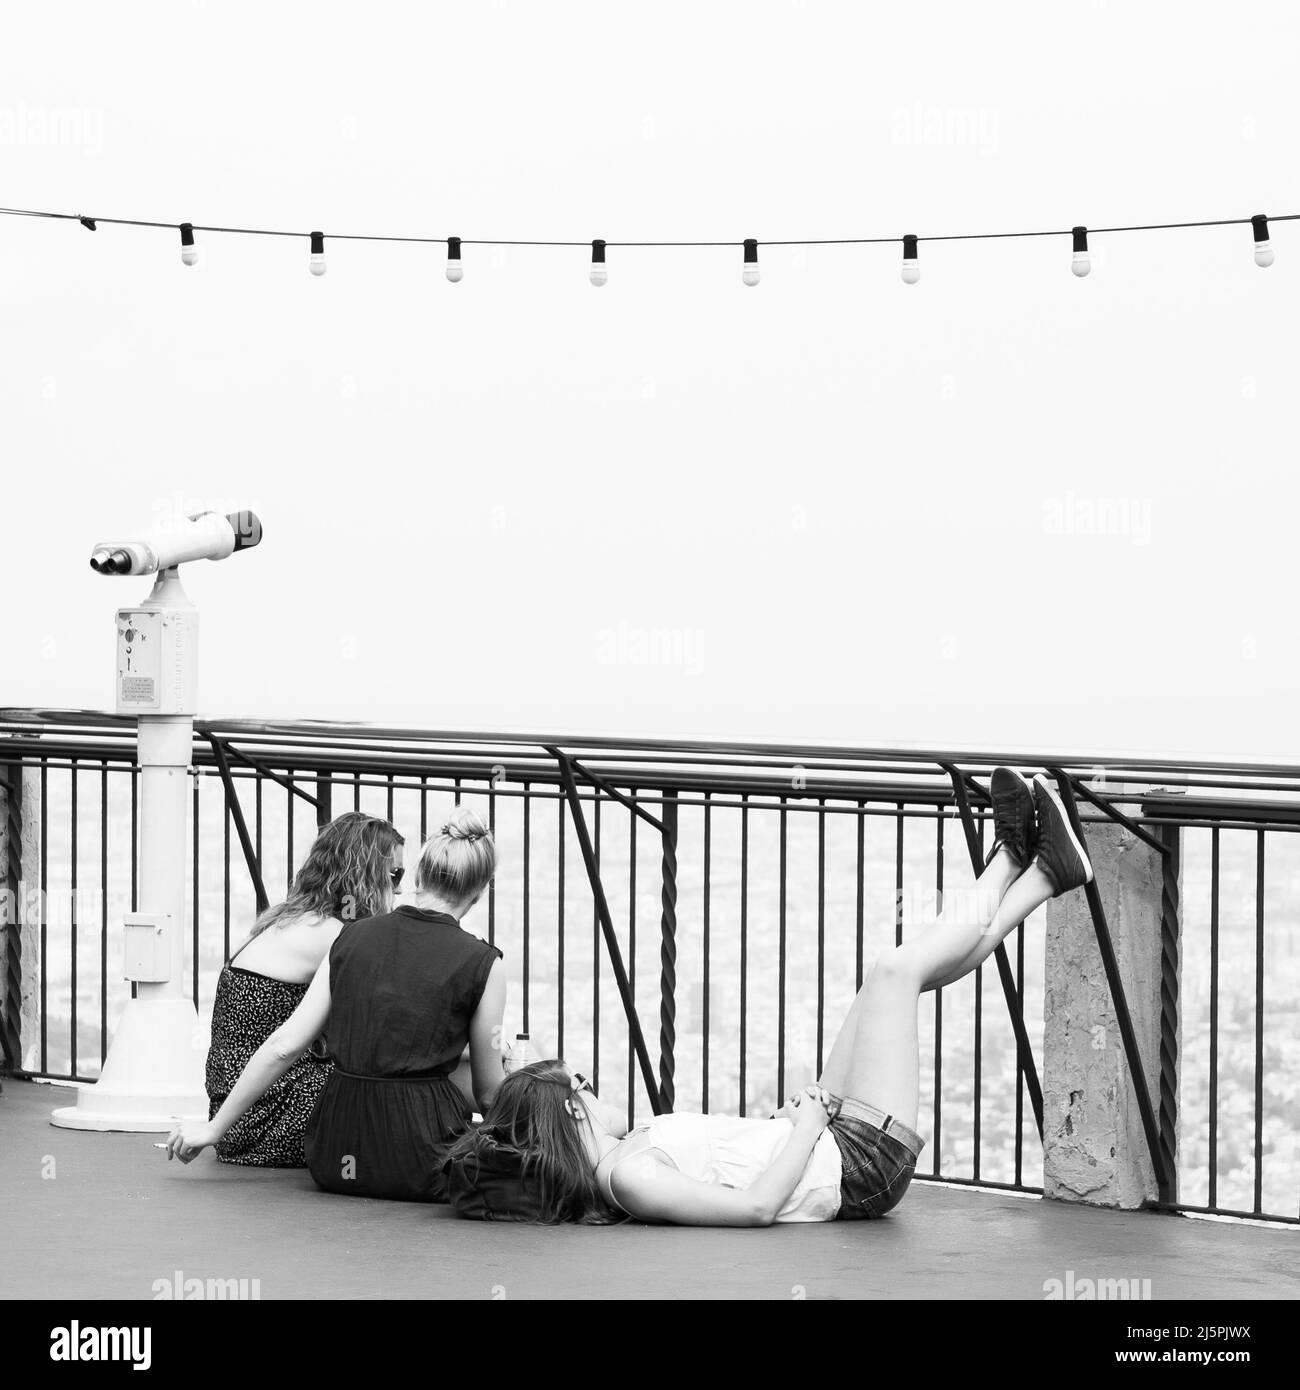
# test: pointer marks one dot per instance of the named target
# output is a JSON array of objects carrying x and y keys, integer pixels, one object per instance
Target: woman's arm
[
  {"x": 485, "y": 1037},
  {"x": 653, "y": 1191},
  {"x": 265, "y": 1067}
]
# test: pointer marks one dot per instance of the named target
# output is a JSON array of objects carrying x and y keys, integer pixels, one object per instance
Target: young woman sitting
[{"x": 403, "y": 995}]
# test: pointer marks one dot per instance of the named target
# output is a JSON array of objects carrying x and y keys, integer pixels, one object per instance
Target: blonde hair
[{"x": 459, "y": 859}]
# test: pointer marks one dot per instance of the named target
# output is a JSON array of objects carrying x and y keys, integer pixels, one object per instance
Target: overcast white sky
[{"x": 849, "y": 509}]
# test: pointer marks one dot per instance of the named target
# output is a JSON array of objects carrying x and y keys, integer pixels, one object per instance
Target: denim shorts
[{"x": 878, "y": 1156}]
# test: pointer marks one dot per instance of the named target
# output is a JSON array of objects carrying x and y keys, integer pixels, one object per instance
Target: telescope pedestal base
[{"x": 152, "y": 1077}]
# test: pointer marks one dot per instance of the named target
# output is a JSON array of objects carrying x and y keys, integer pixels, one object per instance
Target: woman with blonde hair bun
[{"x": 403, "y": 994}]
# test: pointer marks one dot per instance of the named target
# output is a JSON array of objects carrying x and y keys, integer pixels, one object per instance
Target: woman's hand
[
  {"x": 810, "y": 1109},
  {"x": 188, "y": 1140}
]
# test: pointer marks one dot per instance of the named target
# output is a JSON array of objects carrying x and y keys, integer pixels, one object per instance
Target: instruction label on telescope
[{"x": 139, "y": 690}]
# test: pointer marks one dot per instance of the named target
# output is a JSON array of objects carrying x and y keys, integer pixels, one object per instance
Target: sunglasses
[
  {"x": 580, "y": 1083},
  {"x": 396, "y": 876}
]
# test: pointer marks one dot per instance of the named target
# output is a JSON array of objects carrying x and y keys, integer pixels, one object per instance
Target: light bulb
[
  {"x": 750, "y": 273},
  {"x": 598, "y": 274},
  {"x": 455, "y": 271},
  {"x": 911, "y": 270},
  {"x": 189, "y": 252},
  {"x": 1263, "y": 248},
  {"x": 1080, "y": 262},
  {"x": 317, "y": 262}
]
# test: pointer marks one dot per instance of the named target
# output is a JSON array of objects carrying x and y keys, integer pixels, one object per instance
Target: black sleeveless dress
[{"x": 403, "y": 989}]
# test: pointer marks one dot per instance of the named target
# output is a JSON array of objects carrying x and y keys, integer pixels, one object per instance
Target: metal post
[
  {"x": 668, "y": 955},
  {"x": 12, "y": 1002},
  {"x": 1170, "y": 929}
]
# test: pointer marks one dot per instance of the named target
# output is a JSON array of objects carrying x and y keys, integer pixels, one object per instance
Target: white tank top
[{"x": 733, "y": 1152}]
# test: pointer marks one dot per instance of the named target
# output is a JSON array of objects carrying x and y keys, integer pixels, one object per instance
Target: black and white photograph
[{"x": 650, "y": 656}]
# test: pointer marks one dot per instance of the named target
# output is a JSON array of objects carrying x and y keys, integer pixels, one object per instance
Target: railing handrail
[{"x": 287, "y": 735}]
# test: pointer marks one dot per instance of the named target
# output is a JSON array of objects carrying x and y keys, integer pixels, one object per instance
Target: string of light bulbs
[{"x": 1080, "y": 260}]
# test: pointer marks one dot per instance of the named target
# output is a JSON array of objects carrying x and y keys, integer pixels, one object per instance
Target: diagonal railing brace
[
  {"x": 241, "y": 827},
  {"x": 607, "y": 929}
]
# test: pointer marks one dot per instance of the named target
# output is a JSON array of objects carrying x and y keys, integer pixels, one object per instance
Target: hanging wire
[{"x": 496, "y": 241}]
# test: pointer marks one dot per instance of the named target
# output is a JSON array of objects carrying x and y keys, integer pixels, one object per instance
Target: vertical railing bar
[
  {"x": 1259, "y": 1020},
  {"x": 45, "y": 898},
  {"x": 1214, "y": 1017},
  {"x": 225, "y": 882},
  {"x": 780, "y": 965},
  {"x": 821, "y": 929},
  {"x": 595, "y": 953},
  {"x": 288, "y": 851},
  {"x": 898, "y": 879},
  {"x": 424, "y": 809},
  {"x": 559, "y": 969},
  {"x": 527, "y": 872},
  {"x": 258, "y": 779},
  {"x": 1020, "y": 1072},
  {"x": 135, "y": 844},
  {"x": 938, "y": 1002},
  {"x": 1170, "y": 945},
  {"x": 356, "y": 791},
  {"x": 389, "y": 811},
  {"x": 978, "y": 1082},
  {"x": 744, "y": 941},
  {"x": 72, "y": 1068},
  {"x": 135, "y": 849},
  {"x": 194, "y": 891},
  {"x": 492, "y": 886},
  {"x": 861, "y": 897},
  {"x": 708, "y": 870},
  {"x": 456, "y": 798},
  {"x": 103, "y": 911},
  {"x": 631, "y": 956},
  {"x": 668, "y": 954}
]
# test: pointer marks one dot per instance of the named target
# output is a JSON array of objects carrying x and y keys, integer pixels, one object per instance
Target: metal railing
[{"x": 734, "y": 895}]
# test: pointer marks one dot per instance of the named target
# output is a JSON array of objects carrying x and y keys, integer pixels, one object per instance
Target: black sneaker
[
  {"x": 1015, "y": 824},
  {"x": 1060, "y": 855}
]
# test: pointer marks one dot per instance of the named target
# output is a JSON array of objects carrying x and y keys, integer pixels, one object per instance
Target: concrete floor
[{"x": 115, "y": 1217}]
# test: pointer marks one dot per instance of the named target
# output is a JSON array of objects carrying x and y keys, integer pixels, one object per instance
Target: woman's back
[
  {"x": 290, "y": 949},
  {"x": 403, "y": 989}
]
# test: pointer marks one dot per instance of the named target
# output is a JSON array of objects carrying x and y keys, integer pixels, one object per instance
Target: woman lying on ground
[
  {"x": 350, "y": 873},
  {"x": 403, "y": 995},
  {"x": 844, "y": 1149}
]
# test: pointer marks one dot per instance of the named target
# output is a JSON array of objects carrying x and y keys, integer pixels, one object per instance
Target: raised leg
[{"x": 876, "y": 1055}]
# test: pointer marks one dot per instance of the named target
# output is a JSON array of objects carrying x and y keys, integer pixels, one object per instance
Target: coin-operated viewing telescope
[
  {"x": 204, "y": 536},
  {"x": 153, "y": 1074}
]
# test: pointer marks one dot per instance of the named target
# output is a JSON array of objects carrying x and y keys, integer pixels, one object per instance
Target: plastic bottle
[{"x": 521, "y": 1054}]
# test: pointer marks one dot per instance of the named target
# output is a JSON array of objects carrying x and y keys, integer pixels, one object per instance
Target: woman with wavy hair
[
  {"x": 845, "y": 1149},
  {"x": 403, "y": 994},
  {"x": 351, "y": 873}
]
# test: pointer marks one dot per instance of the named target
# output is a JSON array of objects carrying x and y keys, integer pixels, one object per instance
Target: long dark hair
[
  {"x": 346, "y": 873},
  {"x": 531, "y": 1114}
]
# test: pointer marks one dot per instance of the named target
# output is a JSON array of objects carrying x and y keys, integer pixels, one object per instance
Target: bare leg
[{"x": 876, "y": 1056}]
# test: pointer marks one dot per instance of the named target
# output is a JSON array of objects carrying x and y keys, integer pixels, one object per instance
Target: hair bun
[{"x": 459, "y": 832}]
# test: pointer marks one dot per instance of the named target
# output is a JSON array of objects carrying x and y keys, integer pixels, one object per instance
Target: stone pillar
[{"x": 1094, "y": 1144}]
